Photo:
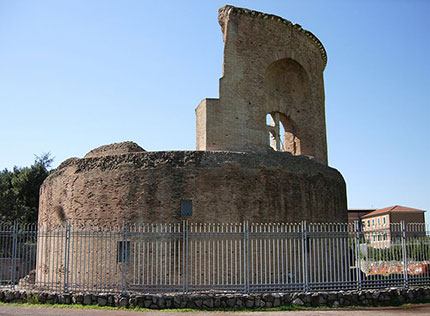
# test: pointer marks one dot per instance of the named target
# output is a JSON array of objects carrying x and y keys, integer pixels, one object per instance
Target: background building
[
  {"x": 382, "y": 223},
  {"x": 356, "y": 214}
]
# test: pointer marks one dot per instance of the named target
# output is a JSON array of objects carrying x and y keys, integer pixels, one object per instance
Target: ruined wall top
[
  {"x": 225, "y": 11},
  {"x": 148, "y": 187},
  {"x": 115, "y": 149},
  {"x": 271, "y": 94}
]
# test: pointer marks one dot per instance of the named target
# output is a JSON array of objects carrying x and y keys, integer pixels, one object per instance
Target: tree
[{"x": 19, "y": 190}]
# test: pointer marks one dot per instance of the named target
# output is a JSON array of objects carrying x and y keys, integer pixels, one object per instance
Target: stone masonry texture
[
  {"x": 270, "y": 65},
  {"x": 390, "y": 296},
  {"x": 223, "y": 187},
  {"x": 272, "y": 68}
]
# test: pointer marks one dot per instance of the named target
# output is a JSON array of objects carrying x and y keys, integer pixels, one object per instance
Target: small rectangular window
[
  {"x": 368, "y": 223},
  {"x": 186, "y": 208},
  {"x": 373, "y": 222},
  {"x": 124, "y": 252},
  {"x": 384, "y": 220},
  {"x": 379, "y": 221}
]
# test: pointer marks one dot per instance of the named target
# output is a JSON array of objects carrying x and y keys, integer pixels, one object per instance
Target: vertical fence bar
[
  {"x": 14, "y": 252},
  {"x": 357, "y": 255},
  {"x": 66, "y": 258},
  {"x": 246, "y": 255},
  {"x": 404, "y": 254},
  {"x": 185, "y": 256},
  {"x": 217, "y": 260},
  {"x": 305, "y": 251},
  {"x": 123, "y": 259},
  {"x": 127, "y": 255}
]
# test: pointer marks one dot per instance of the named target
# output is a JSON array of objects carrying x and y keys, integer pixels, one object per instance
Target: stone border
[{"x": 392, "y": 296}]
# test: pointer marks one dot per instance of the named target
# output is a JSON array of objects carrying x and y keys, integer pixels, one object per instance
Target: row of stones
[
  {"x": 391, "y": 296},
  {"x": 298, "y": 27}
]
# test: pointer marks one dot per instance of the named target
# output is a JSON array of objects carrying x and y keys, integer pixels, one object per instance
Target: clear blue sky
[{"x": 75, "y": 75}]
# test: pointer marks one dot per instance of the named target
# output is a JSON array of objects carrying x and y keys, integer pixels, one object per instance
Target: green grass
[
  {"x": 77, "y": 306},
  {"x": 80, "y": 306},
  {"x": 244, "y": 309}
]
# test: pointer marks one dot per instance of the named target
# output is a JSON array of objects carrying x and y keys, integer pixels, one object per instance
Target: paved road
[{"x": 416, "y": 310}]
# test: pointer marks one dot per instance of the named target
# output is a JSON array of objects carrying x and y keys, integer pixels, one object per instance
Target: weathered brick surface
[
  {"x": 224, "y": 187},
  {"x": 270, "y": 65},
  {"x": 115, "y": 149}
]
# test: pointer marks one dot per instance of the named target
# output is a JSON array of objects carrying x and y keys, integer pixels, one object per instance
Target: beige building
[{"x": 381, "y": 225}]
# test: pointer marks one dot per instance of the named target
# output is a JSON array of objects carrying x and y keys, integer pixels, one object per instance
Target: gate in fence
[{"x": 188, "y": 257}]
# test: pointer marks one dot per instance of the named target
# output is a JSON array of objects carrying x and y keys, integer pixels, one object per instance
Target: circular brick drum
[{"x": 123, "y": 183}]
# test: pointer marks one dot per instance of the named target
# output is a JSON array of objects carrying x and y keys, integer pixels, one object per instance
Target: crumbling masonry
[{"x": 261, "y": 146}]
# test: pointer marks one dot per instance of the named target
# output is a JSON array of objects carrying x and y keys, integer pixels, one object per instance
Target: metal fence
[{"x": 188, "y": 257}]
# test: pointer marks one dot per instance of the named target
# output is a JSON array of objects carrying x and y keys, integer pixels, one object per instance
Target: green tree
[{"x": 19, "y": 190}]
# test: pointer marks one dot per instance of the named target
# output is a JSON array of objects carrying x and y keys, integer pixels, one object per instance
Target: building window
[
  {"x": 384, "y": 220},
  {"x": 379, "y": 221},
  {"x": 124, "y": 252},
  {"x": 282, "y": 133},
  {"x": 373, "y": 222},
  {"x": 368, "y": 223}
]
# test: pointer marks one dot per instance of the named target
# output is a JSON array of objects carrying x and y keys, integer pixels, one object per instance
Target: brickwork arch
[
  {"x": 270, "y": 65},
  {"x": 287, "y": 92},
  {"x": 282, "y": 133}
]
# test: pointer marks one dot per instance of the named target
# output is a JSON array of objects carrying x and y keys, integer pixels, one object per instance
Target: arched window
[
  {"x": 282, "y": 133},
  {"x": 274, "y": 124}
]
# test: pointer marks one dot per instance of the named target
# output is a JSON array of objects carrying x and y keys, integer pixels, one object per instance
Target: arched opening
[
  {"x": 286, "y": 85},
  {"x": 287, "y": 95},
  {"x": 282, "y": 133}
]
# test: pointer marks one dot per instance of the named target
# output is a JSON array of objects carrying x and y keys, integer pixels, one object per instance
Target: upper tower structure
[{"x": 271, "y": 93}]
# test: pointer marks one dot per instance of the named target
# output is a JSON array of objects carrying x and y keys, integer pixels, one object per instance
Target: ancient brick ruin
[
  {"x": 261, "y": 155},
  {"x": 271, "y": 68},
  {"x": 261, "y": 147}
]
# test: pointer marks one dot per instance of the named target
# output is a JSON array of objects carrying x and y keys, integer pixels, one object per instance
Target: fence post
[
  {"x": 357, "y": 254},
  {"x": 124, "y": 258},
  {"x": 404, "y": 254},
  {"x": 66, "y": 258},
  {"x": 246, "y": 255},
  {"x": 305, "y": 251},
  {"x": 185, "y": 256},
  {"x": 14, "y": 252}
]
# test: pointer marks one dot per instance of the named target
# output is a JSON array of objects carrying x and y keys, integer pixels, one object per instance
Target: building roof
[{"x": 393, "y": 209}]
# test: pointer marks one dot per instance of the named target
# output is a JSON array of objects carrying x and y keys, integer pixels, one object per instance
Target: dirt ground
[{"x": 416, "y": 310}]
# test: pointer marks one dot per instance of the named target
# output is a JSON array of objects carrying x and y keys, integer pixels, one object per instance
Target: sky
[{"x": 78, "y": 74}]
